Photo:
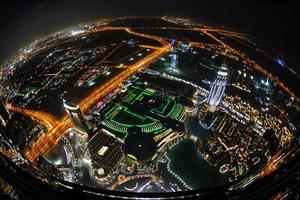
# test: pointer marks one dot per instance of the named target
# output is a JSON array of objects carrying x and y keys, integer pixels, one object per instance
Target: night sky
[{"x": 274, "y": 22}]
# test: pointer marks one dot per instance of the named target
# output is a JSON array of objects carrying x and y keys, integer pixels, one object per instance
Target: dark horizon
[{"x": 273, "y": 22}]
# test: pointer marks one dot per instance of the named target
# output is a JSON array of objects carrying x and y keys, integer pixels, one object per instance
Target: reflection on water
[{"x": 190, "y": 166}]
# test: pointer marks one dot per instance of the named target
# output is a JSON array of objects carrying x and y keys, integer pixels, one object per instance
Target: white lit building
[
  {"x": 218, "y": 88},
  {"x": 78, "y": 120}
]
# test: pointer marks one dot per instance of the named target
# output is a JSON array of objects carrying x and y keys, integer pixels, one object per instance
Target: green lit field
[{"x": 127, "y": 113}]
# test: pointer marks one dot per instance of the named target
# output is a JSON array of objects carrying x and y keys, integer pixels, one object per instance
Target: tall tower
[
  {"x": 218, "y": 88},
  {"x": 207, "y": 112},
  {"x": 78, "y": 119},
  {"x": 4, "y": 114},
  {"x": 174, "y": 45},
  {"x": 174, "y": 61}
]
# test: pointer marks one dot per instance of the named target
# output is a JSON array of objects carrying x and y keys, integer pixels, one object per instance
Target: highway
[
  {"x": 48, "y": 120},
  {"x": 46, "y": 143},
  {"x": 252, "y": 63},
  {"x": 57, "y": 128}
]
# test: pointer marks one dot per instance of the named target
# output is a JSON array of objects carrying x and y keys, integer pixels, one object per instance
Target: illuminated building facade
[
  {"x": 207, "y": 113},
  {"x": 4, "y": 114},
  {"x": 77, "y": 119},
  {"x": 173, "y": 44},
  {"x": 174, "y": 61},
  {"x": 218, "y": 88}
]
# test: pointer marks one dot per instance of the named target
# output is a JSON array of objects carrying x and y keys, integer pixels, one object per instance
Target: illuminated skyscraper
[
  {"x": 218, "y": 88},
  {"x": 78, "y": 119},
  {"x": 174, "y": 61},
  {"x": 207, "y": 112},
  {"x": 4, "y": 114},
  {"x": 174, "y": 45}
]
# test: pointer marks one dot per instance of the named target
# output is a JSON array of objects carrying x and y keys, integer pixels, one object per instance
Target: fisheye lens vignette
[{"x": 148, "y": 105}]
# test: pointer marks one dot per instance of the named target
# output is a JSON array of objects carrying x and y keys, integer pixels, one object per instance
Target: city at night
[{"x": 153, "y": 100}]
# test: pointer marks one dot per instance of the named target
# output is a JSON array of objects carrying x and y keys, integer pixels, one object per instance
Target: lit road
[
  {"x": 46, "y": 143},
  {"x": 48, "y": 120},
  {"x": 252, "y": 63},
  {"x": 57, "y": 128}
]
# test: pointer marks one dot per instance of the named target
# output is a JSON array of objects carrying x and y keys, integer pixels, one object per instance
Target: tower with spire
[
  {"x": 208, "y": 111},
  {"x": 217, "y": 89},
  {"x": 174, "y": 61}
]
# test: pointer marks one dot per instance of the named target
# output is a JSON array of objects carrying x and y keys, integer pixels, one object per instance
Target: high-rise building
[
  {"x": 78, "y": 119},
  {"x": 174, "y": 61},
  {"x": 218, "y": 88},
  {"x": 174, "y": 45},
  {"x": 4, "y": 114},
  {"x": 207, "y": 112}
]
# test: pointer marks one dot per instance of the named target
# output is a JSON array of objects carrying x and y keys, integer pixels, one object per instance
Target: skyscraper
[
  {"x": 174, "y": 61},
  {"x": 78, "y": 119},
  {"x": 174, "y": 45},
  {"x": 218, "y": 88},
  {"x": 207, "y": 112},
  {"x": 4, "y": 114}
]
